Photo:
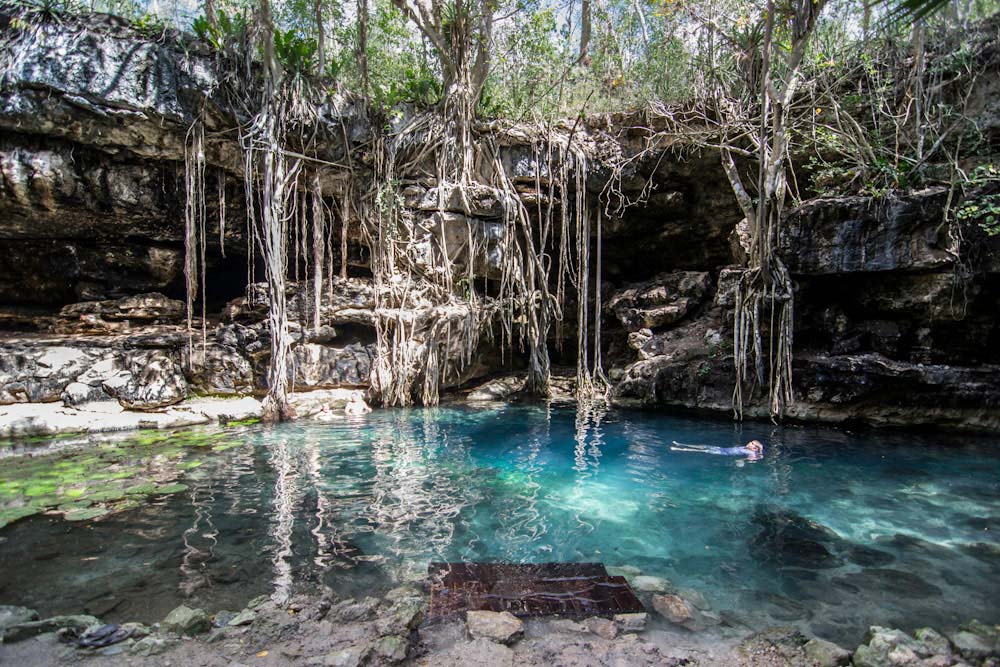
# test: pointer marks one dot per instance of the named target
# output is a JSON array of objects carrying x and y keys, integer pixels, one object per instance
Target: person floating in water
[{"x": 752, "y": 449}]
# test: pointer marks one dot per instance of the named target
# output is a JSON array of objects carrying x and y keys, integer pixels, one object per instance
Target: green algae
[{"x": 109, "y": 476}]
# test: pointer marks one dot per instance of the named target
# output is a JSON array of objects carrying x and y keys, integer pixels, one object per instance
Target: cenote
[{"x": 831, "y": 530}]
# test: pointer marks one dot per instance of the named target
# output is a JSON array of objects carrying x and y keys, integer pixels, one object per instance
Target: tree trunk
[
  {"x": 584, "y": 57},
  {"x": 320, "y": 38},
  {"x": 362, "y": 52},
  {"x": 210, "y": 15}
]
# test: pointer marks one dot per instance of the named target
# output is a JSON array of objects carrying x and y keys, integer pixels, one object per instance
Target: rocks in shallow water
[
  {"x": 826, "y": 654},
  {"x": 631, "y": 622},
  {"x": 602, "y": 627},
  {"x": 673, "y": 608},
  {"x": 896, "y": 583},
  {"x": 10, "y": 616},
  {"x": 791, "y": 540},
  {"x": 650, "y": 584},
  {"x": 502, "y": 627},
  {"x": 627, "y": 571},
  {"x": 889, "y": 648},
  {"x": 974, "y": 646},
  {"x": 186, "y": 621},
  {"x": 77, "y": 623}
]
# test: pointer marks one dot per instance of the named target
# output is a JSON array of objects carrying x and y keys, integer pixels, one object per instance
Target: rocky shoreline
[{"x": 320, "y": 630}]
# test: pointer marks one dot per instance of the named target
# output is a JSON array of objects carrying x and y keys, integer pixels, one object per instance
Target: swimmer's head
[{"x": 756, "y": 446}]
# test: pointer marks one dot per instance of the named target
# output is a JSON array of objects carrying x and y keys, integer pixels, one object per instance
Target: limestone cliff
[{"x": 895, "y": 319}]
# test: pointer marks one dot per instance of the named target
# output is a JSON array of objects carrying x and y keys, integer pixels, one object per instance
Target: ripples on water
[{"x": 833, "y": 529}]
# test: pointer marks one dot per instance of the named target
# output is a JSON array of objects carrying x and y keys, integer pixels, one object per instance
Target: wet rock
[
  {"x": 567, "y": 625},
  {"x": 602, "y": 627},
  {"x": 826, "y": 654},
  {"x": 973, "y": 646},
  {"x": 885, "y": 647},
  {"x": 186, "y": 621},
  {"x": 897, "y": 583},
  {"x": 790, "y": 540},
  {"x": 695, "y": 598},
  {"x": 673, "y": 608},
  {"x": 502, "y": 627},
  {"x": 627, "y": 571},
  {"x": 11, "y": 616},
  {"x": 631, "y": 622},
  {"x": 868, "y": 556},
  {"x": 391, "y": 649},
  {"x": 651, "y": 584},
  {"x": 76, "y": 623},
  {"x": 934, "y": 641}
]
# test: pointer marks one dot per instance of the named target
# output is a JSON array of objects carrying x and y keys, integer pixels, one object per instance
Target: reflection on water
[{"x": 832, "y": 529}]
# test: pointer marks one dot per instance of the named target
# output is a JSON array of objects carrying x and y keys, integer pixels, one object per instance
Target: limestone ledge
[{"x": 42, "y": 419}]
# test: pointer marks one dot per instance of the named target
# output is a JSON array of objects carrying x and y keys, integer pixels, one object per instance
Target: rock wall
[{"x": 895, "y": 311}]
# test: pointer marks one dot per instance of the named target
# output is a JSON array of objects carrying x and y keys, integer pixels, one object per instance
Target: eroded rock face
[
  {"x": 903, "y": 232},
  {"x": 665, "y": 300}
]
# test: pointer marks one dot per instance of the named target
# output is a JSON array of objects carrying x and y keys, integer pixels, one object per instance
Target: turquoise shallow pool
[{"x": 831, "y": 529}]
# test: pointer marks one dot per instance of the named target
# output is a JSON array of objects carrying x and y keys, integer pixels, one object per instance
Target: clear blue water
[{"x": 832, "y": 529}]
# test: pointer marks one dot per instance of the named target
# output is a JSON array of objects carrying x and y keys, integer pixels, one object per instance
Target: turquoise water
[{"x": 832, "y": 529}]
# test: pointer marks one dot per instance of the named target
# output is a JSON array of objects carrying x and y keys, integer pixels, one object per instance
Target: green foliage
[
  {"x": 229, "y": 29},
  {"x": 296, "y": 54},
  {"x": 983, "y": 206}
]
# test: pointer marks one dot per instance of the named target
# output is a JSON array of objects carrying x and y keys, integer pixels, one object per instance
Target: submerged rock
[
  {"x": 651, "y": 584},
  {"x": 673, "y": 608},
  {"x": 631, "y": 622},
  {"x": 502, "y": 627},
  {"x": 602, "y": 627}
]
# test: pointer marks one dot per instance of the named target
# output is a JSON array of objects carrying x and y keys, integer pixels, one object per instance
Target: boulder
[
  {"x": 11, "y": 616},
  {"x": 826, "y": 654},
  {"x": 631, "y": 622},
  {"x": 391, "y": 649},
  {"x": 156, "y": 381},
  {"x": 660, "y": 302},
  {"x": 602, "y": 627},
  {"x": 502, "y": 627},
  {"x": 886, "y": 647},
  {"x": 186, "y": 621},
  {"x": 673, "y": 608}
]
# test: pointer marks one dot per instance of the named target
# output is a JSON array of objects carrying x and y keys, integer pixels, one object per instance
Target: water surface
[{"x": 832, "y": 529}]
